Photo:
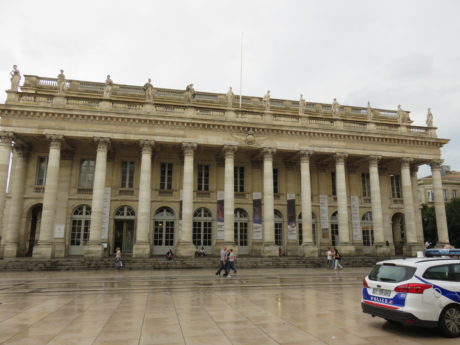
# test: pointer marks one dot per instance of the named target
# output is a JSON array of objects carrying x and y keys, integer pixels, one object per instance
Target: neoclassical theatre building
[{"x": 99, "y": 165}]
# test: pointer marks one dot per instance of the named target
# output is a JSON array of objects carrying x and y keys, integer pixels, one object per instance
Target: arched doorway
[
  {"x": 79, "y": 235},
  {"x": 34, "y": 230},
  {"x": 202, "y": 229},
  {"x": 334, "y": 229},
  {"x": 399, "y": 233},
  {"x": 124, "y": 229},
  {"x": 241, "y": 231},
  {"x": 313, "y": 228},
  {"x": 163, "y": 230}
]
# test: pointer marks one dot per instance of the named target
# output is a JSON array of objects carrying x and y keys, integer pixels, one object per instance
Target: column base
[
  {"x": 310, "y": 250},
  {"x": 185, "y": 249},
  {"x": 269, "y": 249},
  {"x": 411, "y": 249},
  {"x": 43, "y": 251},
  {"x": 10, "y": 250},
  {"x": 141, "y": 250},
  {"x": 383, "y": 250},
  {"x": 346, "y": 249},
  {"x": 94, "y": 250}
]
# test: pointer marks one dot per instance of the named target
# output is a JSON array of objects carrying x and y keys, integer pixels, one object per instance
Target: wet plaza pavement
[{"x": 263, "y": 307}]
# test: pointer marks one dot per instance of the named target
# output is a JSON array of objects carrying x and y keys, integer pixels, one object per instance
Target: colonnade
[{"x": 184, "y": 245}]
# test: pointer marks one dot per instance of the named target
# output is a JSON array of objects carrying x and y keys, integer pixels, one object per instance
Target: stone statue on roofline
[
  {"x": 189, "y": 93},
  {"x": 149, "y": 91},
  {"x": 403, "y": 116},
  {"x": 266, "y": 101},
  {"x": 370, "y": 113},
  {"x": 61, "y": 83},
  {"x": 301, "y": 105},
  {"x": 429, "y": 118},
  {"x": 15, "y": 78},
  {"x": 335, "y": 107},
  {"x": 230, "y": 97},
  {"x": 108, "y": 87}
]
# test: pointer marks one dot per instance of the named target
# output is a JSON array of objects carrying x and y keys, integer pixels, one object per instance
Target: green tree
[
  {"x": 453, "y": 221},
  {"x": 429, "y": 224}
]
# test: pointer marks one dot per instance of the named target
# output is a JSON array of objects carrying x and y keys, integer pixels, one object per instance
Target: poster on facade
[
  {"x": 106, "y": 214},
  {"x": 179, "y": 226},
  {"x": 355, "y": 219},
  {"x": 291, "y": 217},
  {"x": 220, "y": 215},
  {"x": 59, "y": 230},
  {"x": 257, "y": 216},
  {"x": 323, "y": 211}
]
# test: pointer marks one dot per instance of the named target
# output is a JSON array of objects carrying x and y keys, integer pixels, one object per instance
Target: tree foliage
[{"x": 453, "y": 222}]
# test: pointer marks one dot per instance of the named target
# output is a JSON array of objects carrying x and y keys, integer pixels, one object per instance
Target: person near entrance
[
  {"x": 169, "y": 255},
  {"x": 231, "y": 262},
  {"x": 118, "y": 259},
  {"x": 223, "y": 262}
]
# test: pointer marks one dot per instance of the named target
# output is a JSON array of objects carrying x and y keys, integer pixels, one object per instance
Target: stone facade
[
  {"x": 151, "y": 169},
  {"x": 450, "y": 186}
]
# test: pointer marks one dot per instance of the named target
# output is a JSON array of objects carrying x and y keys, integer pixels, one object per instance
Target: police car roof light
[{"x": 442, "y": 252}]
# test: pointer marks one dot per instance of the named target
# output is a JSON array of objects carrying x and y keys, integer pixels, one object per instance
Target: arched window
[
  {"x": 278, "y": 228},
  {"x": 334, "y": 229},
  {"x": 241, "y": 229},
  {"x": 163, "y": 230},
  {"x": 313, "y": 228},
  {"x": 164, "y": 213},
  {"x": 367, "y": 229},
  {"x": 125, "y": 212},
  {"x": 81, "y": 221},
  {"x": 202, "y": 228}
]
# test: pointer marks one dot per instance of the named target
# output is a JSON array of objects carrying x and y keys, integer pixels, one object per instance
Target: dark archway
[
  {"x": 34, "y": 229},
  {"x": 399, "y": 233}
]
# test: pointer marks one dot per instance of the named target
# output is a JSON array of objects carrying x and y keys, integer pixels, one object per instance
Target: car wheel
[
  {"x": 393, "y": 322},
  {"x": 449, "y": 322}
]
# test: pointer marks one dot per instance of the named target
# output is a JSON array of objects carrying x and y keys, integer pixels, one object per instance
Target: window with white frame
[
  {"x": 430, "y": 195},
  {"x": 396, "y": 186},
  {"x": 87, "y": 167},
  {"x": 40, "y": 177},
  {"x": 366, "y": 185},
  {"x": 367, "y": 229},
  {"x": 127, "y": 174},
  {"x": 445, "y": 193},
  {"x": 166, "y": 173},
  {"x": 238, "y": 179},
  {"x": 203, "y": 178}
]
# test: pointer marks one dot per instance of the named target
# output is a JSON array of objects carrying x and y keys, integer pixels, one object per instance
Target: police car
[{"x": 417, "y": 291}]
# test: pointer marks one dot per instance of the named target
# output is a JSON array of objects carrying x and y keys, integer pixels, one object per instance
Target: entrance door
[
  {"x": 36, "y": 215},
  {"x": 79, "y": 235},
  {"x": 241, "y": 231},
  {"x": 202, "y": 230},
  {"x": 124, "y": 236},
  {"x": 398, "y": 233},
  {"x": 163, "y": 230}
]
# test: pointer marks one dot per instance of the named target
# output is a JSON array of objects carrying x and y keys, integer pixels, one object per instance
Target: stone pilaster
[
  {"x": 142, "y": 245},
  {"x": 5, "y": 150},
  {"x": 441, "y": 221},
  {"x": 417, "y": 206},
  {"x": 269, "y": 247},
  {"x": 94, "y": 248},
  {"x": 409, "y": 217},
  {"x": 229, "y": 195},
  {"x": 15, "y": 209},
  {"x": 342, "y": 204},
  {"x": 185, "y": 245},
  {"x": 376, "y": 204},
  {"x": 44, "y": 247},
  {"x": 309, "y": 249}
]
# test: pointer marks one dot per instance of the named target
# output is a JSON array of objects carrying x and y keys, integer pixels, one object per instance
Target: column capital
[
  {"x": 268, "y": 152},
  {"x": 305, "y": 155},
  {"x": 340, "y": 157},
  {"x": 436, "y": 163},
  {"x": 103, "y": 143},
  {"x": 414, "y": 170},
  {"x": 374, "y": 160},
  {"x": 405, "y": 162},
  {"x": 189, "y": 148},
  {"x": 229, "y": 150},
  {"x": 146, "y": 146},
  {"x": 55, "y": 140},
  {"x": 6, "y": 138},
  {"x": 21, "y": 151}
]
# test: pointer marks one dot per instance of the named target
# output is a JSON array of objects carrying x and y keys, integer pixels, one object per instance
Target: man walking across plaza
[
  {"x": 223, "y": 262},
  {"x": 329, "y": 258}
]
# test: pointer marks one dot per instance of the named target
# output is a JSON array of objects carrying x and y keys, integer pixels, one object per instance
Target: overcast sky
[{"x": 386, "y": 52}]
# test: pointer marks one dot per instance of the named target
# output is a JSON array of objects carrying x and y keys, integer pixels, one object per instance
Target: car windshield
[{"x": 391, "y": 273}]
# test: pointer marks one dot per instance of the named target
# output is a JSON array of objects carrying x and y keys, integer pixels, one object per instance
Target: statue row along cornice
[{"x": 189, "y": 97}]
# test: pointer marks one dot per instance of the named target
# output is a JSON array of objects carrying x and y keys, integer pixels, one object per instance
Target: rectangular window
[
  {"x": 333, "y": 184},
  {"x": 429, "y": 194},
  {"x": 396, "y": 186},
  {"x": 127, "y": 174},
  {"x": 445, "y": 193},
  {"x": 366, "y": 185},
  {"x": 166, "y": 176},
  {"x": 203, "y": 178},
  {"x": 275, "y": 181},
  {"x": 239, "y": 179},
  {"x": 368, "y": 237},
  {"x": 42, "y": 163},
  {"x": 454, "y": 194},
  {"x": 87, "y": 167}
]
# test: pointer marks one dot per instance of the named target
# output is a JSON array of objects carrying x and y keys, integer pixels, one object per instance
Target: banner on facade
[
  {"x": 106, "y": 214},
  {"x": 291, "y": 217},
  {"x": 257, "y": 216},
  {"x": 355, "y": 219},
  {"x": 220, "y": 215},
  {"x": 323, "y": 211}
]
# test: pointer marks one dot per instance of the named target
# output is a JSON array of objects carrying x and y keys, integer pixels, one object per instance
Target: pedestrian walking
[
  {"x": 223, "y": 262},
  {"x": 118, "y": 259},
  {"x": 231, "y": 262},
  {"x": 329, "y": 258},
  {"x": 337, "y": 258}
]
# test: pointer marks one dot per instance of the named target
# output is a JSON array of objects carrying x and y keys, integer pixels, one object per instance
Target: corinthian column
[
  {"x": 229, "y": 195},
  {"x": 342, "y": 203},
  {"x": 14, "y": 210},
  {"x": 269, "y": 248},
  {"x": 5, "y": 150},
  {"x": 44, "y": 247},
  {"x": 441, "y": 221},
  {"x": 376, "y": 202},
  {"x": 142, "y": 245},
  {"x": 309, "y": 248},
  {"x": 94, "y": 248},
  {"x": 185, "y": 245},
  {"x": 409, "y": 217}
]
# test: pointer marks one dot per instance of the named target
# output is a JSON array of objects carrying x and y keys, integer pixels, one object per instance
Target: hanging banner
[
  {"x": 257, "y": 216},
  {"x": 179, "y": 227},
  {"x": 323, "y": 211},
  {"x": 355, "y": 219},
  {"x": 220, "y": 215},
  {"x": 291, "y": 217},
  {"x": 106, "y": 214}
]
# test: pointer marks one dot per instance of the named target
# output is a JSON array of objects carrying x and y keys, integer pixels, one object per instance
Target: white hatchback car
[{"x": 417, "y": 291}]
